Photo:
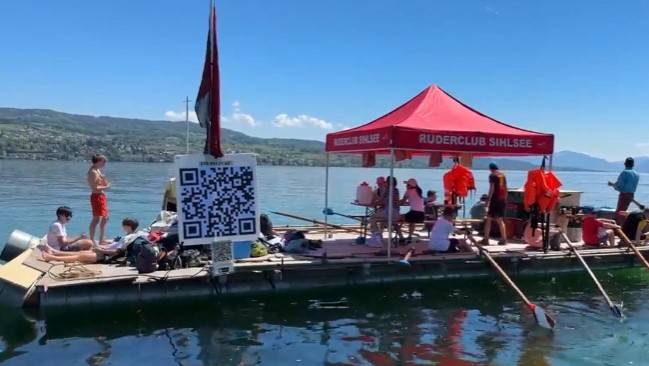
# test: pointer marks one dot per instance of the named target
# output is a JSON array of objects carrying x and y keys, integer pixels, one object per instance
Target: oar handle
[
  {"x": 590, "y": 272},
  {"x": 628, "y": 242}
]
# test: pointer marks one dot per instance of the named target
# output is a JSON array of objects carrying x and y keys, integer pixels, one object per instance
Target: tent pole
[
  {"x": 390, "y": 202},
  {"x": 326, "y": 216}
]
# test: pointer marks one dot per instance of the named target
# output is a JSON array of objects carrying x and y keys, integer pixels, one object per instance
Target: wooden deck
[{"x": 340, "y": 262}]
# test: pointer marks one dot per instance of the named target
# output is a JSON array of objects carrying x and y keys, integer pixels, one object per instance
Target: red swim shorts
[{"x": 99, "y": 205}]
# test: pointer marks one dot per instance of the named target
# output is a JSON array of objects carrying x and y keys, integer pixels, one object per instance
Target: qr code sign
[{"x": 216, "y": 198}]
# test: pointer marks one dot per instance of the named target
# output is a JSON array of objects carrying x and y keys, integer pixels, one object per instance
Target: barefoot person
[
  {"x": 626, "y": 184},
  {"x": 496, "y": 203},
  {"x": 57, "y": 236},
  {"x": 98, "y": 184},
  {"x": 98, "y": 252}
]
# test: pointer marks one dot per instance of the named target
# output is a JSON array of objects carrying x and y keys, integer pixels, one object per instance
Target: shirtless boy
[{"x": 98, "y": 184}]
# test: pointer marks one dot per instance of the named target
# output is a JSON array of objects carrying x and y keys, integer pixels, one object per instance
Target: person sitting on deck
[
  {"x": 635, "y": 226},
  {"x": 414, "y": 197},
  {"x": 57, "y": 237},
  {"x": 479, "y": 209},
  {"x": 101, "y": 251},
  {"x": 381, "y": 189},
  {"x": 381, "y": 214},
  {"x": 430, "y": 209},
  {"x": 596, "y": 232},
  {"x": 439, "y": 236}
]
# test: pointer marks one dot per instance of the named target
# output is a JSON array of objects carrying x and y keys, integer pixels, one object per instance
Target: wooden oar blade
[{"x": 542, "y": 318}]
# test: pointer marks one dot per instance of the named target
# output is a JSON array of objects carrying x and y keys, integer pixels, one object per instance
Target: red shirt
[{"x": 589, "y": 230}]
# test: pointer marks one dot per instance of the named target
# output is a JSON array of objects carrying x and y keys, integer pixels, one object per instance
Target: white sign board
[{"x": 217, "y": 198}]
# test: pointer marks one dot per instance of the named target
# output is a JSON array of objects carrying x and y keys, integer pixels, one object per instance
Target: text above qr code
[{"x": 217, "y": 199}]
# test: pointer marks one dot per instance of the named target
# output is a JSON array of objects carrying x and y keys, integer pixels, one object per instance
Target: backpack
[
  {"x": 147, "y": 259},
  {"x": 630, "y": 226},
  {"x": 143, "y": 255},
  {"x": 266, "y": 226}
]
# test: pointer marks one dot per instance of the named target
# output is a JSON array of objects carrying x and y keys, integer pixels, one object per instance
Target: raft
[{"x": 29, "y": 282}]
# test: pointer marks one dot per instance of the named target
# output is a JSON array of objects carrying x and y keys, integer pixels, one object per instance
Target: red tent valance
[{"x": 436, "y": 121}]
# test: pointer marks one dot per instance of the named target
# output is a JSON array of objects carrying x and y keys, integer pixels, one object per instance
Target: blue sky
[{"x": 295, "y": 68}]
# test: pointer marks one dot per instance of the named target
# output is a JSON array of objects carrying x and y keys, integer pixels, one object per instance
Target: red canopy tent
[{"x": 436, "y": 122}]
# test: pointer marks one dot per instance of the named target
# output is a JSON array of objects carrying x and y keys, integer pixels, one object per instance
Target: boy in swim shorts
[{"x": 98, "y": 184}]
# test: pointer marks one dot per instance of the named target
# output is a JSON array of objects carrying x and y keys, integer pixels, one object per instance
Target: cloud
[
  {"x": 284, "y": 120},
  {"x": 491, "y": 10},
  {"x": 180, "y": 116},
  {"x": 240, "y": 117},
  {"x": 237, "y": 116}
]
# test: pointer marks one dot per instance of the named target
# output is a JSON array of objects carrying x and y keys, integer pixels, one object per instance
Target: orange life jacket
[
  {"x": 541, "y": 188},
  {"x": 459, "y": 181}
]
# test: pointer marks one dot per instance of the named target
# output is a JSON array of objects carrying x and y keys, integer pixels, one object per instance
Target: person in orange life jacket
[
  {"x": 596, "y": 232},
  {"x": 626, "y": 184},
  {"x": 496, "y": 204},
  {"x": 414, "y": 197}
]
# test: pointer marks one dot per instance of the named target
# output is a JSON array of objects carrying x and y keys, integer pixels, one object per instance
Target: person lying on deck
[
  {"x": 57, "y": 237},
  {"x": 101, "y": 251},
  {"x": 596, "y": 232},
  {"x": 439, "y": 236}
]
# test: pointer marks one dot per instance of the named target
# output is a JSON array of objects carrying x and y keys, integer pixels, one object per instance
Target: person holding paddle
[{"x": 626, "y": 185}]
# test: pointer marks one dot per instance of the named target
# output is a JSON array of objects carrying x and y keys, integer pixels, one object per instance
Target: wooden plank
[
  {"x": 32, "y": 261},
  {"x": 18, "y": 274},
  {"x": 107, "y": 273}
]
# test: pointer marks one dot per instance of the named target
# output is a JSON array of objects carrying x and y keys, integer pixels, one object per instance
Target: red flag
[{"x": 208, "y": 100}]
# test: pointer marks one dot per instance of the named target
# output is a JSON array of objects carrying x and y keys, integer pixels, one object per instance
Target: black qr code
[
  {"x": 222, "y": 252},
  {"x": 217, "y": 201}
]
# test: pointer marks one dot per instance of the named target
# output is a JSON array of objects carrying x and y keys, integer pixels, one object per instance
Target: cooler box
[{"x": 241, "y": 249}]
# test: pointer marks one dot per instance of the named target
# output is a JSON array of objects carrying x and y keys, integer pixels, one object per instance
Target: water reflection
[{"x": 447, "y": 323}]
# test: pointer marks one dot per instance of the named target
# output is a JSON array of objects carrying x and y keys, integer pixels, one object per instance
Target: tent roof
[{"x": 436, "y": 121}]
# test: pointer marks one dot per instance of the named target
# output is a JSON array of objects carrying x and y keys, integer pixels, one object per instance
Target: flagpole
[{"x": 187, "y": 122}]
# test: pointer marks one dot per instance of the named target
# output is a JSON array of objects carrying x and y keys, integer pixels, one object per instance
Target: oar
[
  {"x": 628, "y": 242},
  {"x": 542, "y": 318},
  {"x": 328, "y": 212},
  {"x": 640, "y": 205},
  {"x": 317, "y": 222},
  {"x": 615, "y": 308},
  {"x": 405, "y": 262}
]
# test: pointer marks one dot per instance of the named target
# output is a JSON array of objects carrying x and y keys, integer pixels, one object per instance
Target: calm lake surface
[{"x": 476, "y": 322}]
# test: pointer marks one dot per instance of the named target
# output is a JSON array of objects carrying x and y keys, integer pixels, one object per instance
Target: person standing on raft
[
  {"x": 98, "y": 184},
  {"x": 496, "y": 202},
  {"x": 626, "y": 184}
]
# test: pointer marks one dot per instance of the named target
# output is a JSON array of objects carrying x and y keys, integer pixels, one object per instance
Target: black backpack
[
  {"x": 147, "y": 259},
  {"x": 266, "y": 226},
  {"x": 142, "y": 254},
  {"x": 630, "y": 226}
]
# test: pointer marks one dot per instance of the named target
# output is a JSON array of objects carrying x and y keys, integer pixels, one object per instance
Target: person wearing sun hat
[
  {"x": 496, "y": 203},
  {"x": 413, "y": 197}
]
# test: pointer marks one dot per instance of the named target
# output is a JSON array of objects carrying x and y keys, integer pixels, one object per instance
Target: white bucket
[
  {"x": 17, "y": 243},
  {"x": 574, "y": 234}
]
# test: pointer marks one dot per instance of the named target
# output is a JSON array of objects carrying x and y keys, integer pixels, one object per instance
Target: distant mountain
[
  {"x": 583, "y": 161},
  {"x": 47, "y": 134}
]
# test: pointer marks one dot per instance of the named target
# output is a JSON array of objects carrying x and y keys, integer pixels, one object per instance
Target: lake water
[{"x": 474, "y": 322}]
